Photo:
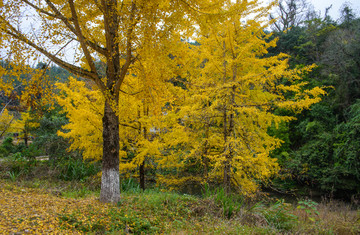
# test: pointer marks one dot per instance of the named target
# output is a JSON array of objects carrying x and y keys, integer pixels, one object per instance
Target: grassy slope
[
  {"x": 37, "y": 202},
  {"x": 36, "y": 210}
]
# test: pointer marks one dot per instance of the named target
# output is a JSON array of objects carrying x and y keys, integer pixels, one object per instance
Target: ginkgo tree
[
  {"x": 22, "y": 88},
  {"x": 146, "y": 93},
  {"x": 110, "y": 30},
  {"x": 25, "y": 125},
  {"x": 25, "y": 87},
  {"x": 234, "y": 89},
  {"x": 6, "y": 121}
]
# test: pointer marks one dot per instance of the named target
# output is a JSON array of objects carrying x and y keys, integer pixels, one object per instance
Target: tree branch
[
  {"x": 129, "y": 60},
  {"x": 12, "y": 31},
  {"x": 79, "y": 34},
  {"x": 61, "y": 17},
  {"x": 40, "y": 9}
]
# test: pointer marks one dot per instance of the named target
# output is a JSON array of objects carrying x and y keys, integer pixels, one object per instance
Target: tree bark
[
  {"x": 205, "y": 159},
  {"x": 26, "y": 139},
  {"x": 110, "y": 180},
  {"x": 142, "y": 175},
  {"x": 227, "y": 151}
]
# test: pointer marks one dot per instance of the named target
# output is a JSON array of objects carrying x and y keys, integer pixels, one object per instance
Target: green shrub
[
  {"x": 31, "y": 151},
  {"x": 309, "y": 207},
  {"x": 7, "y": 147},
  {"x": 130, "y": 185},
  {"x": 230, "y": 203},
  {"x": 47, "y": 139},
  {"x": 76, "y": 169},
  {"x": 277, "y": 215},
  {"x": 18, "y": 165}
]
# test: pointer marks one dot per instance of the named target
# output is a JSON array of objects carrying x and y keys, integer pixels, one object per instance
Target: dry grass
[{"x": 332, "y": 217}]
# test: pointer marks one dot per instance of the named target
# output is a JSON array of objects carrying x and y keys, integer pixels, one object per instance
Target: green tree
[
  {"x": 47, "y": 139},
  {"x": 313, "y": 153}
]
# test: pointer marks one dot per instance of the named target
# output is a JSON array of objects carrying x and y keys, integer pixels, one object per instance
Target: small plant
[
  {"x": 277, "y": 215},
  {"x": 309, "y": 207},
  {"x": 13, "y": 175},
  {"x": 130, "y": 185},
  {"x": 230, "y": 203},
  {"x": 129, "y": 222},
  {"x": 206, "y": 191},
  {"x": 227, "y": 203}
]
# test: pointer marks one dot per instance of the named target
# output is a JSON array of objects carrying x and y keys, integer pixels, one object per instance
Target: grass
[{"x": 36, "y": 201}]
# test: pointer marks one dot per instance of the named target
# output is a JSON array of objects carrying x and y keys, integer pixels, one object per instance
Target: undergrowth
[{"x": 35, "y": 200}]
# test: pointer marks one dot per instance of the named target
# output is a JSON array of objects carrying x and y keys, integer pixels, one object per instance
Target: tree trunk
[
  {"x": 26, "y": 139},
  {"x": 205, "y": 159},
  {"x": 142, "y": 165},
  {"x": 142, "y": 175},
  {"x": 226, "y": 180},
  {"x": 227, "y": 155},
  {"x": 227, "y": 184},
  {"x": 110, "y": 180}
]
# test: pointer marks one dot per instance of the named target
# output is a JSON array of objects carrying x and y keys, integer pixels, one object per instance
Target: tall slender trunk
[
  {"x": 142, "y": 165},
  {"x": 227, "y": 167},
  {"x": 227, "y": 133},
  {"x": 110, "y": 180},
  {"x": 205, "y": 159},
  {"x": 26, "y": 139},
  {"x": 142, "y": 175},
  {"x": 227, "y": 154}
]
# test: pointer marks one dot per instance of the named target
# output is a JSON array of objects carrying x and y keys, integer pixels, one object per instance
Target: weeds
[
  {"x": 279, "y": 215},
  {"x": 16, "y": 165},
  {"x": 309, "y": 208},
  {"x": 229, "y": 203},
  {"x": 76, "y": 169},
  {"x": 130, "y": 185},
  {"x": 13, "y": 175}
]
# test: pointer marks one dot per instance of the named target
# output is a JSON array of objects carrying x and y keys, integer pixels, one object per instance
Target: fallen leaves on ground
[
  {"x": 27, "y": 210},
  {"x": 36, "y": 211}
]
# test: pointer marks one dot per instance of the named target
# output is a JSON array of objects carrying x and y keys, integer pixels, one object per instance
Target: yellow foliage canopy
[
  {"x": 84, "y": 107},
  {"x": 25, "y": 125},
  {"x": 6, "y": 120},
  {"x": 233, "y": 90},
  {"x": 216, "y": 128}
]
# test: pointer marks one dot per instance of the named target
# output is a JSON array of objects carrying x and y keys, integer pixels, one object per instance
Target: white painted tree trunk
[{"x": 110, "y": 190}]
